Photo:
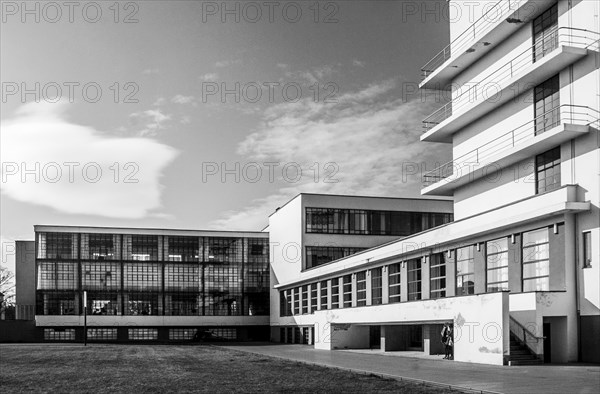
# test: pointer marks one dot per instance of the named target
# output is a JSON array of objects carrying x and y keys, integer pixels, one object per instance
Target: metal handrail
[
  {"x": 566, "y": 113},
  {"x": 508, "y": 70},
  {"x": 525, "y": 330},
  {"x": 468, "y": 36}
]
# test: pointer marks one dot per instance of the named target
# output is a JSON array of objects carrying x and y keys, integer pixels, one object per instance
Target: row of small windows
[
  {"x": 144, "y": 334},
  {"x": 535, "y": 262},
  {"x": 371, "y": 222},
  {"x": 319, "y": 255},
  {"x": 150, "y": 247}
]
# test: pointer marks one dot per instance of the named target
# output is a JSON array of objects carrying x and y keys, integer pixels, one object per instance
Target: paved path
[{"x": 516, "y": 379}]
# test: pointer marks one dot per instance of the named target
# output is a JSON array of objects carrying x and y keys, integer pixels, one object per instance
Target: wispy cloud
[
  {"x": 181, "y": 99},
  {"x": 209, "y": 77},
  {"x": 108, "y": 176},
  {"x": 358, "y": 63},
  {"x": 227, "y": 63},
  {"x": 153, "y": 119},
  {"x": 367, "y": 135},
  {"x": 151, "y": 71}
]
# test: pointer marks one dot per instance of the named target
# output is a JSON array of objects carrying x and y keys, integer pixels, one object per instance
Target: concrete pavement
[{"x": 477, "y": 377}]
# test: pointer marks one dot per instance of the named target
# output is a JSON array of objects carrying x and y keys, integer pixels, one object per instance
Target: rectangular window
[
  {"x": 587, "y": 249},
  {"x": 182, "y": 334},
  {"x": 545, "y": 33},
  {"x": 319, "y": 255},
  {"x": 465, "y": 270},
  {"x": 394, "y": 282},
  {"x": 376, "y": 286},
  {"x": 141, "y": 303},
  {"x": 296, "y": 301},
  {"x": 324, "y": 294},
  {"x": 371, "y": 222},
  {"x": 100, "y": 247},
  {"x": 536, "y": 260},
  {"x": 347, "y": 290},
  {"x": 546, "y": 97},
  {"x": 143, "y": 334},
  {"x": 314, "y": 297},
  {"x": 182, "y": 248},
  {"x": 304, "y": 299},
  {"x": 437, "y": 275},
  {"x": 335, "y": 293},
  {"x": 547, "y": 171},
  {"x": 102, "y": 334},
  {"x": 144, "y": 247},
  {"x": 361, "y": 288},
  {"x": 497, "y": 264},
  {"x": 59, "y": 334},
  {"x": 414, "y": 279}
]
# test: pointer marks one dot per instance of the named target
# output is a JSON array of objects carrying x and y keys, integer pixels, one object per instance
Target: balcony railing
[
  {"x": 477, "y": 90},
  {"x": 572, "y": 114},
  {"x": 480, "y": 27}
]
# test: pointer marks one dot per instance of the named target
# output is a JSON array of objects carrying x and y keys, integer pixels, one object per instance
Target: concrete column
[
  {"x": 570, "y": 278},
  {"x": 369, "y": 288},
  {"x": 515, "y": 271},
  {"x": 425, "y": 277},
  {"x": 480, "y": 269},
  {"x": 385, "y": 290},
  {"x": 354, "y": 296},
  {"x": 404, "y": 282},
  {"x": 450, "y": 273}
]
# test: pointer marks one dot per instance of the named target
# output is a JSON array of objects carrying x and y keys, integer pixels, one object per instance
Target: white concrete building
[{"x": 518, "y": 271}]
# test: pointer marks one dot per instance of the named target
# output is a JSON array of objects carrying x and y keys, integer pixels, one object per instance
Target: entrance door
[
  {"x": 375, "y": 337},
  {"x": 547, "y": 343}
]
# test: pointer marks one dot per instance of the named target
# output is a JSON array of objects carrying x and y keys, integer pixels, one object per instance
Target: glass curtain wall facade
[{"x": 127, "y": 274}]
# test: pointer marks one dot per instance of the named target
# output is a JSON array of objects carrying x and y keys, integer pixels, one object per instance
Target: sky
[{"x": 208, "y": 115}]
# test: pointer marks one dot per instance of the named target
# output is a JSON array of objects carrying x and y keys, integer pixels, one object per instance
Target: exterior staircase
[{"x": 520, "y": 354}]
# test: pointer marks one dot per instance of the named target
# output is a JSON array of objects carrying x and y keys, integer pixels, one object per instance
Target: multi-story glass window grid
[
  {"x": 102, "y": 334},
  {"x": 101, "y": 275},
  {"x": 547, "y": 105},
  {"x": 296, "y": 300},
  {"x": 142, "y": 334},
  {"x": 141, "y": 303},
  {"x": 185, "y": 249},
  {"x": 256, "y": 277},
  {"x": 225, "y": 249},
  {"x": 414, "y": 279},
  {"x": 347, "y": 290},
  {"x": 335, "y": 293},
  {"x": 394, "y": 283},
  {"x": 57, "y": 276},
  {"x": 376, "y": 286},
  {"x": 143, "y": 247},
  {"x": 103, "y": 303},
  {"x": 223, "y": 294},
  {"x": 545, "y": 33},
  {"x": 361, "y": 288},
  {"x": 437, "y": 275},
  {"x": 547, "y": 171},
  {"x": 183, "y": 289},
  {"x": 319, "y": 255},
  {"x": 371, "y": 222},
  {"x": 99, "y": 247},
  {"x": 465, "y": 270},
  {"x": 304, "y": 299},
  {"x": 56, "y": 303},
  {"x": 60, "y": 246},
  {"x": 536, "y": 260},
  {"x": 142, "y": 276},
  {"x": 587, "y": 249},
  {"x": 324, "y": 294},
  {"x": 497, "y": 264},
  {"x": 314, "y": 297}
]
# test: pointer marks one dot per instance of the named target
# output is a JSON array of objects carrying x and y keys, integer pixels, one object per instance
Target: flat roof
[
  {"x": 147, "y": 230},
  {"x": 449, "y": 199}
]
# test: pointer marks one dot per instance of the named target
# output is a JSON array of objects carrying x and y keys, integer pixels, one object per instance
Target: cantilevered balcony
[
  {"x": 529, "y": 68},
  {"x": 500, "y": 21},
  {"x": 544, "y": 132}
]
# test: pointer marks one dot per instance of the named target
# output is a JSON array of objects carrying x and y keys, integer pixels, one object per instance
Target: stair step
[{"x": 525, "y": 362}]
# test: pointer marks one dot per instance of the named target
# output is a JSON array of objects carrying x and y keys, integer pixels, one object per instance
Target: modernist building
[
  {"x": 146, "y": 284},
  {"x": 517, "y": 272}
]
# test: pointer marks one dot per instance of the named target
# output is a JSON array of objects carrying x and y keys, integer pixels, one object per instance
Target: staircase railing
[{"x": 526, "y": 337}]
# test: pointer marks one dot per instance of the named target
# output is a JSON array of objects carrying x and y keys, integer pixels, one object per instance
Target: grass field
[{"x": 159, "y": 368}]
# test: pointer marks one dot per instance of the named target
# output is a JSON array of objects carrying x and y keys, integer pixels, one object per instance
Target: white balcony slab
[
  {"x": 532, "y": 75},
  {"x": 496, "y": 31},
  {"x": 468, "y": 172}
]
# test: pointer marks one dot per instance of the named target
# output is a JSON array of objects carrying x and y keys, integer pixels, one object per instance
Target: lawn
[{"x": 161, "y": 368}]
